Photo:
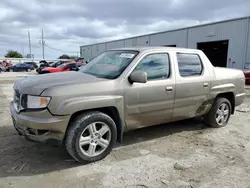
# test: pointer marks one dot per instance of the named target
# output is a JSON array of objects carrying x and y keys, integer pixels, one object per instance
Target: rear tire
[
  {"x": 91, "y": 137},
  {"x": 219, "y": 114}
]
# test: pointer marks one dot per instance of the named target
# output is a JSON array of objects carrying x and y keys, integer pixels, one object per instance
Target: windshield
[
  {"x": 109, "y": 64},
  {"x": 53, "y": 64},
  {"x": 62, "y": 65}
]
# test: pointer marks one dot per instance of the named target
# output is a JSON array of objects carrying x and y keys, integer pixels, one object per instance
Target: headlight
[{"x": 35, "y": 102}]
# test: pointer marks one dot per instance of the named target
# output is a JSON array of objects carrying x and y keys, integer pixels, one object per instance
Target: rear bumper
[
  {"x": 239, "y": 99},
  {"x": 40, "y": 126}
]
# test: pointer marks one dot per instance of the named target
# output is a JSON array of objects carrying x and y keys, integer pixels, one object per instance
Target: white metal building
[{"x": 226, "y": 43}]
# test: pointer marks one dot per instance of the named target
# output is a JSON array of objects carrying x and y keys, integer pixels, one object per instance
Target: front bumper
[{"x": 40, "y": 126}]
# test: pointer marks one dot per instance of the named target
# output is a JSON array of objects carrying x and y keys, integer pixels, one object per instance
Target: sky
[{"x": 68, "y": 24}]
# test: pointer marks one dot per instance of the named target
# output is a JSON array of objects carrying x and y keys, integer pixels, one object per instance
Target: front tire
[
  {"x": 91, "y": 137},
  {"x": 219, "y": 114}
]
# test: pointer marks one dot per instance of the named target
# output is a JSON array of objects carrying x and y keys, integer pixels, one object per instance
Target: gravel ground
[{"x": 182, "y": 154}]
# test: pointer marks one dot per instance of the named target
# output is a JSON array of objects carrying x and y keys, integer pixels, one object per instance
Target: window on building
[
  {"x": 189, "y": 64},
  {"x": 155, "y": 65}
]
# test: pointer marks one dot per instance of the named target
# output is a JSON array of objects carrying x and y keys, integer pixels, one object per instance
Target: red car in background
[
  {"x": 246, "y": 72},
  {"x": 247, "y": 75},
  {"x": 63, "y": 68}
]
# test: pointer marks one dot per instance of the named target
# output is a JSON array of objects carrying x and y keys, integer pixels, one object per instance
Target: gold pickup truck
[{"x": 124, "y": 89}]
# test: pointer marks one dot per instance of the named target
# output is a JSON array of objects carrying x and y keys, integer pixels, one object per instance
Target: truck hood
[{"x": 35, "y": 85}]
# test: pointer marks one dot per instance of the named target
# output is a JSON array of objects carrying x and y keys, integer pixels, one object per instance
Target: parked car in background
[
  {"x": 246, "y": 72},
  {"x": 120, "y": 90},
  {"x": 79, "y": 60},
  {"x": 247, "y": 75},
  {"x": 62, "y": 68},
  {"x": 6, "y": 64},
  {"x": 45, "y": 64},
  {"x": 20, "y": 68},
  {"x": 58, "y": 63},
  {"x": 50, "y": 63},
  {"x": 2, "y": 67},
  {"x": 42, "y": 64},
  {"x": 32, "y": 63}
]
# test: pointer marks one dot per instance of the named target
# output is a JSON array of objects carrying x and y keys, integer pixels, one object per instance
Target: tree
[
  {"x": 64, "y": 56},
  {"x": 73, "y": 57},
  {"x": 13, "y": 54}
]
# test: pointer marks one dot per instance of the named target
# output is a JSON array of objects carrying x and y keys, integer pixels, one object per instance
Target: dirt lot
[{"x": 183, "y": 154}]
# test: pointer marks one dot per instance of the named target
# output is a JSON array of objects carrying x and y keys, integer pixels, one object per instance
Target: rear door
[
  {"x": 192, "y": 86},
  {"x": 151, "y": 103}
]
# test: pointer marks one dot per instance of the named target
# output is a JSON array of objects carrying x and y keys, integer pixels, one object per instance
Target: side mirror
[{"x": 139, "y": 77}]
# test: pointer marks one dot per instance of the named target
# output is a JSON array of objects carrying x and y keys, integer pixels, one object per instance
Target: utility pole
[
  {"x": 29, "y": 43},
  {"x": 23, "y": 50},
  {"x": 43, "y": 44}
]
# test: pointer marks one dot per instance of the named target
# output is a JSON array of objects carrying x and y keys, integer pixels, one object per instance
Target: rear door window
[{"x": 189, "y": 64}]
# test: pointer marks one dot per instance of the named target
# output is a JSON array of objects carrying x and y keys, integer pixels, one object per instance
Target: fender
[
  {"x": 223, "y": 88},
  {"x": 72, "y": 105}
]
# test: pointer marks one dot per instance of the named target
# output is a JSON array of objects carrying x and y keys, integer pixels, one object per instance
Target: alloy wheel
[
  {"x": 222, "y": 114},
  {"x": 95, "y": 139}
]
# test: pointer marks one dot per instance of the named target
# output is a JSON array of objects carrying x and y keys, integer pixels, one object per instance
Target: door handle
[
  {"x": 169, "y": 89},
  {"x": 205, "y": 85}
]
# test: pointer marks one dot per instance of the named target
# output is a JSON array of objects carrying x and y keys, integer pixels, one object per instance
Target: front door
[
  {"x": 151, "y": 103},
  {"x": 192, "y": 86}
]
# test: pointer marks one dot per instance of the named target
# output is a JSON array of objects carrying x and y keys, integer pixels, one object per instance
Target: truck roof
[{"x": 151, "y": 48}]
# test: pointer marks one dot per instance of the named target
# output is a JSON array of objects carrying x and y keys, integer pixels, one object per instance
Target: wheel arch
[
  {"x": 229, "y": 96},
  {"x": 110, "y": 111}
]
